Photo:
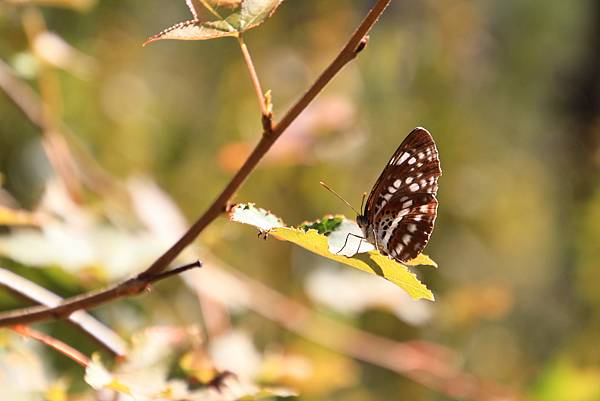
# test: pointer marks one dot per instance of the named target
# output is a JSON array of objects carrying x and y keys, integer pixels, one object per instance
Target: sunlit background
[{"x": 509, "y": 90}]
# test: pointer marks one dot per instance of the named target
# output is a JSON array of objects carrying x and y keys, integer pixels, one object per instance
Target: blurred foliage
[{"x": 509, "y": 90}]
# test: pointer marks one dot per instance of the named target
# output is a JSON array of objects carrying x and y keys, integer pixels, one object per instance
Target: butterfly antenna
[
  {"x": 339, "y": 196},
  {"x": 362, "y": 202}
]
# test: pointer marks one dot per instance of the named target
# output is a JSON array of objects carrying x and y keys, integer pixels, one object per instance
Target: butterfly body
[{"x": 400, "y": 211}]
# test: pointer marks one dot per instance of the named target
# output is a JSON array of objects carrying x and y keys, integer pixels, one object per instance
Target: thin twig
[
  {"x": 355, "y": 44},
  {"x": 267, "y": 117},
  {"x": 55, "y": 145},
  {"x": 21, "y": 94},
  {"x": 52, "y": 342},
  {"x": 29, "y": 102},
  {"x": 127, "y": 288},
  {"x": 216, "y": 208},
  {"x": 92, "y": 327}
]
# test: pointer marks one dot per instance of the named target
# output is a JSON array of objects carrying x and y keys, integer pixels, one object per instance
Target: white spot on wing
[
  {"x": 394, "y": 224},
  {"x": 406, "y": 239},
  {"x": 414, "y": 187},
  {"x": 412, "y": 160},
  {"x": 402, "y": 158},
  {"x": 408, "y": 180},
  {"x": 397, "y": 183},
  {"x": 411, "y": 228}
]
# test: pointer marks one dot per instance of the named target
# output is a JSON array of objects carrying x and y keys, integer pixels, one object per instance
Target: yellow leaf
[
  {"x": 309, "y": 238},
  {"x": 371, "y": 262},
  {"x": 15, "y": 217}
]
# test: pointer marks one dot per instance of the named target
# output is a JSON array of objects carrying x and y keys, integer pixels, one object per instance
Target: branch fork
[{"x": 272, "y": 131}]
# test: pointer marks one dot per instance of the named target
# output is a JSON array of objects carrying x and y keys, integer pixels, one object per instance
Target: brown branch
[
  {"x": 55, "y": 145},
  {"x": 355, "y": 44},
  {"x": 347, "y": 54},
  {"x": 127, "y": 288},
  {"x": 52, "y": 342},
  {"x": 92, "y": 327},
  {"x": 21, "y": 94},
  {"x": 30, "y": 104}
]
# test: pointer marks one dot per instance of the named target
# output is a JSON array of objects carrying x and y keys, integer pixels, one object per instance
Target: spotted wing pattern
[{"x": 401, "y": 209}]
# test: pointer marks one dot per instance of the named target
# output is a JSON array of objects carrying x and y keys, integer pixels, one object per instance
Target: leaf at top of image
[
  {"x": 228, "y": 18},
  {"x": 357, "y": 254}
]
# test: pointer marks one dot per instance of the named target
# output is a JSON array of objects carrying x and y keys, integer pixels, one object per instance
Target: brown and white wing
[
  {"x": 404, "y": 225},
  {"x": 413, "y": 168}
]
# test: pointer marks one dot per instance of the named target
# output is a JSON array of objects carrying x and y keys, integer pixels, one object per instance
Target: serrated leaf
[
  {"x": 247, "y": 14},
  {"x": 371, "y": 261},
  {"x": 255, "y": 12},
  {"x": 262, "y": 219}
]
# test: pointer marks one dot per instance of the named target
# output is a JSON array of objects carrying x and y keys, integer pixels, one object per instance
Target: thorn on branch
[
  {"x": 362, "y": 44},
  {"x": 147, "y": 280},
  {"x": 229, "y": 206},
  {"x": 267, "y": 117},
  {"x": 267, "y": 123}
]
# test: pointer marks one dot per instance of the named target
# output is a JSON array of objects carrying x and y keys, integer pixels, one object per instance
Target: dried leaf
[{"x": 238, "y": 17}]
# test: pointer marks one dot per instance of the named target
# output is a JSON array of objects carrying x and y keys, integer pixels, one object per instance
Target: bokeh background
[{"x": 509, "y": 89}]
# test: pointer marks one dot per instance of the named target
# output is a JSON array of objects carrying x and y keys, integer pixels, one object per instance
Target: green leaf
[
  {"x": 308, "y": 236},
  {"x": 244, "y": 15},
  {"x": 325, "y": 226}
]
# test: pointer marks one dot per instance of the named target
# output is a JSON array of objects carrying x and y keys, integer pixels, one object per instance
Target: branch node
[
  {"x": 362, "y": 44},
  {"x": 267, "y": 123},
  {"x": 271, "y": 132}
]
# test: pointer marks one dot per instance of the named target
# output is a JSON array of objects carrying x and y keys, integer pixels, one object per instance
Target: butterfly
[{"x": 400, "y": 211}]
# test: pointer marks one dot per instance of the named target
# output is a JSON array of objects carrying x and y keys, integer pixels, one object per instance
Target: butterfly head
[
  {"x": 363, "y": 223},
  {"x": 361, "y": 220}
]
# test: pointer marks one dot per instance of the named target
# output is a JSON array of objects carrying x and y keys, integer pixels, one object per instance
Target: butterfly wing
[
  {"x": 402, "y": 207},
  {"x": 404, "y": 225},
  {"x": 414, "y": 167}
]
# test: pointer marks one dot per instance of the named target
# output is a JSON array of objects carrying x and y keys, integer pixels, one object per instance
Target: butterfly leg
[
  {"x": 346, "y": 242},
  {"x": 376, "y": 243},
  {"x": 359, "y": 244}
]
